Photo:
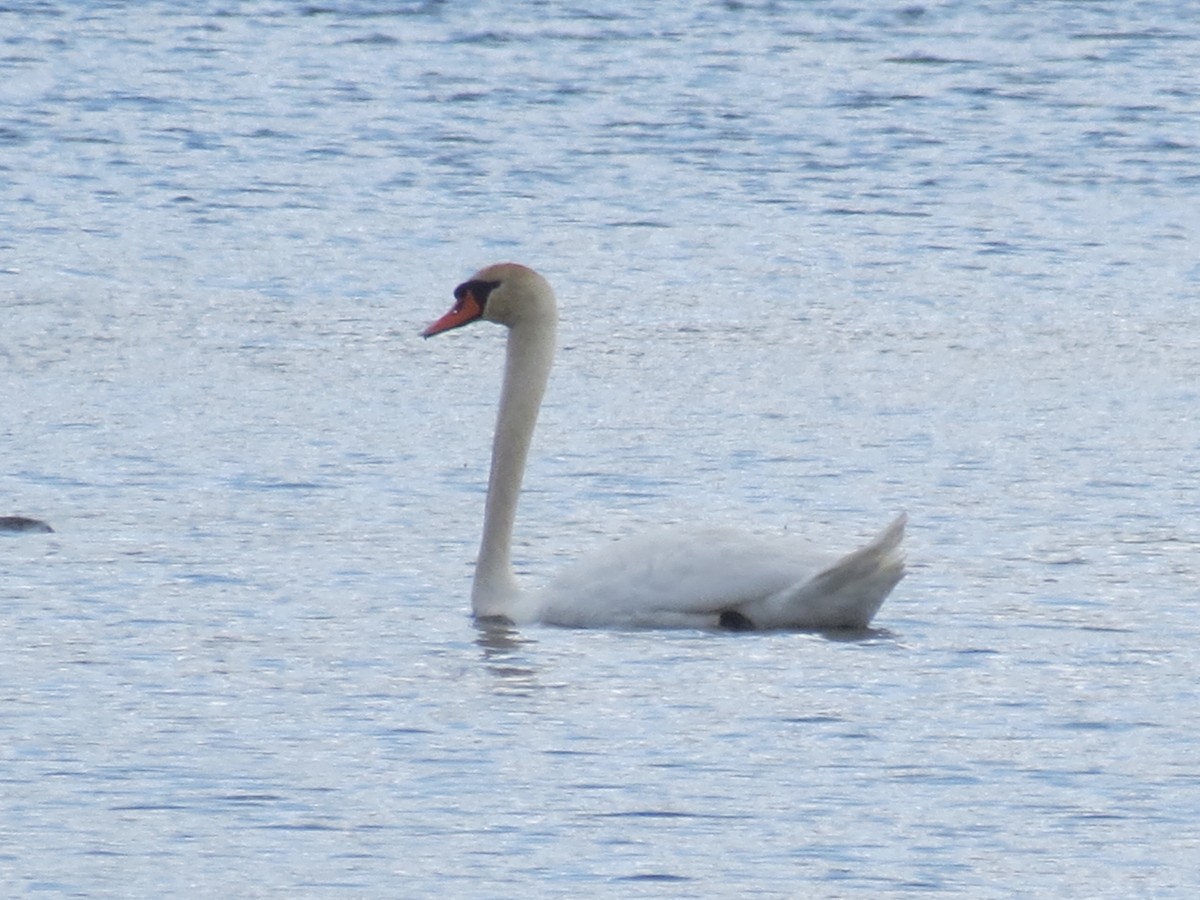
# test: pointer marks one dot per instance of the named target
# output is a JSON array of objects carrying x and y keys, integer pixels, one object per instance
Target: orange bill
[{"x": 464, "y": 311}]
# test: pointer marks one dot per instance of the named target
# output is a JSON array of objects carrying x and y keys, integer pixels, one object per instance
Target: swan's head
[{"x": 506, "y": 293}]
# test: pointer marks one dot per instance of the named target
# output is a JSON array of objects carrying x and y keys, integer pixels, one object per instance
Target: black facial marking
[{"x": 477, "y": 289}]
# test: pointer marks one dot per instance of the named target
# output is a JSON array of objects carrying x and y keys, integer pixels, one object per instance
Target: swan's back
[{"x": 715, "y": 577}]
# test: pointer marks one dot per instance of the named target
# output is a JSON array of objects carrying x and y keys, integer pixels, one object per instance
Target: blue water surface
[{"x": 818, "y": 262}]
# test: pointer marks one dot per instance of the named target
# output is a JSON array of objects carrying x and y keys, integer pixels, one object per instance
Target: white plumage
[{"x": 676, "y": 578}]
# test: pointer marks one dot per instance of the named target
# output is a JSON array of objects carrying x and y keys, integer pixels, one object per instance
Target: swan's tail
[{"x": 849, "y": 592}]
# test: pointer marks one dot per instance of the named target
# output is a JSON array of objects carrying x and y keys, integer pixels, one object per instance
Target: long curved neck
[{"x": 526, "y": 371}]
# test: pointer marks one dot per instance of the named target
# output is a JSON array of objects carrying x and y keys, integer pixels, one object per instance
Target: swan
[{"x": 710, "y": 578}]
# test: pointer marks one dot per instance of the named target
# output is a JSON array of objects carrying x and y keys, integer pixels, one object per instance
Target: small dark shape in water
[
  {"x": 21, "y": 523},
  {"x": 735, "y": 621}
]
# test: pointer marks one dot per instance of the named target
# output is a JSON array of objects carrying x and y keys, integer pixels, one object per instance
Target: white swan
[{"x": 689, "y": 578}]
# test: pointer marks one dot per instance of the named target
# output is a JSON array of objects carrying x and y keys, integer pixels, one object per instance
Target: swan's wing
[
  {"x": 703, "y": 578},
  {"x": 846, "y": 594},
  {"x": 677, "y": 578}
]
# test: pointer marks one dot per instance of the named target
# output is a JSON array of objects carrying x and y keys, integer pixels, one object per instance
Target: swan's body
[{"x": 681, "y": 578}]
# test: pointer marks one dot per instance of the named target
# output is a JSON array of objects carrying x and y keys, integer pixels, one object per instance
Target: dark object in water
[
  {"x": 21, "y": 523},
  {"x": 733, "y": 620}
]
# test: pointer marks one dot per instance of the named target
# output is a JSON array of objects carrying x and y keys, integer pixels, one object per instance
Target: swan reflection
[{"x": 502, "y": 644}]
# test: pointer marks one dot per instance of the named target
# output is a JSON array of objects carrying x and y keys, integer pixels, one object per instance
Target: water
[{"x": 818, "y": 263}]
